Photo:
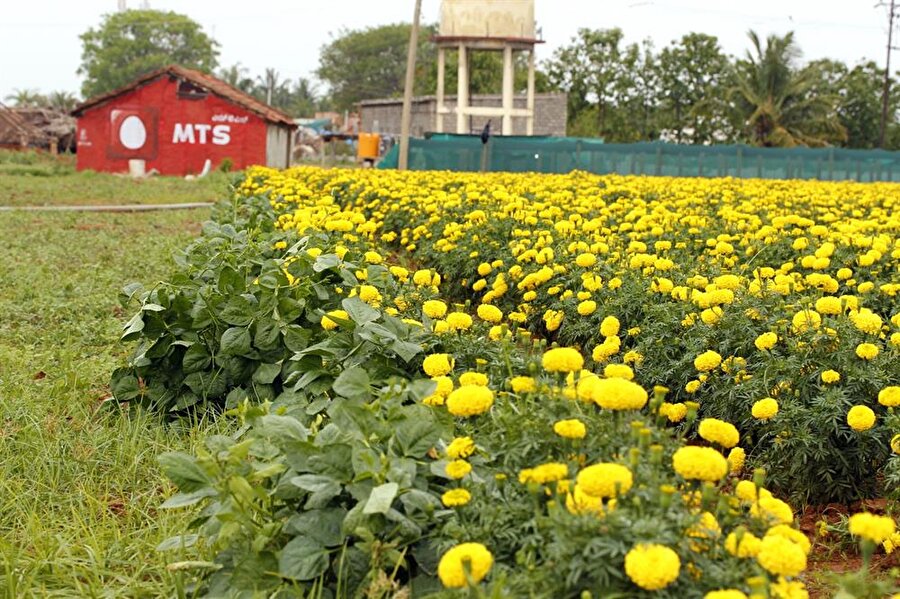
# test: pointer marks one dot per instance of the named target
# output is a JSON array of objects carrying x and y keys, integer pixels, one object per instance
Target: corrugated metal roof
[{"x": 208, "y": 82}]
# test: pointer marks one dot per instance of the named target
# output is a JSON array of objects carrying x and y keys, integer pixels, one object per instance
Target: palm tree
[
  {"x": 62, "y": 101},
  {"x": 26, "y": 98},
  {"x": 778, "y": 102},
  {"x": 236, "y": 76},
  {"x": 269, "y": 83}
]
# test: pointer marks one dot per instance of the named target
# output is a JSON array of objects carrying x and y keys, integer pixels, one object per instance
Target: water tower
[{"x": 505, "y": 26}]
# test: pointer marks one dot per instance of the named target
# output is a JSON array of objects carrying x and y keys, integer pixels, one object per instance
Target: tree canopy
[{"x": 129, "y": 44}]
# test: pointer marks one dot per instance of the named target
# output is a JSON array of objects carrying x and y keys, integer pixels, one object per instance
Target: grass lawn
[
  {"x": 31, "y": 179},
  {"x": 79, "y": 485}
]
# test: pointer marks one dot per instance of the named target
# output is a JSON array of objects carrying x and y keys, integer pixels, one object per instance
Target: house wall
[
  {"x": 179, "y": 134},
  {"x": 550, "y": 113},
  {"x": 278, "y": 141}
]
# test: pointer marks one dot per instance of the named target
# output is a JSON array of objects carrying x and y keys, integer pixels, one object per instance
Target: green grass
[
  {"x": 35, "y": 179},
  {"x": 79, "y": 484}
]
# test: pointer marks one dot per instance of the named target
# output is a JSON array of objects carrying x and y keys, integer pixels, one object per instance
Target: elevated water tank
[{"x": 499, "y": 19}]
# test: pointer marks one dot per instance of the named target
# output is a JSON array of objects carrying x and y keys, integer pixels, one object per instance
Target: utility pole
[
  {"x": 885, "y": 94},
  {"x": 406, "y": 117}
]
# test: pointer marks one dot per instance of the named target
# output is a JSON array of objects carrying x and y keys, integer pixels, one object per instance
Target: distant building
[
  {"x": 174, "y": 120},
  {"x": 383, "y": 116}
]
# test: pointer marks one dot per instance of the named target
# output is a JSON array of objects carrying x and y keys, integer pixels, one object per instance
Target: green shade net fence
[{"x": 564, "y": 154}]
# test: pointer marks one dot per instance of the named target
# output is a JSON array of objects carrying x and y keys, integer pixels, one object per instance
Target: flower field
[{"x": 527, "y": 385}]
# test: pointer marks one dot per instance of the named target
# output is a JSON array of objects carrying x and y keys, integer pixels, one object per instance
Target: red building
[{"x": 174, "y": 120}]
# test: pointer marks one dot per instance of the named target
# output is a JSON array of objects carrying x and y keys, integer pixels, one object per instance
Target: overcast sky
[{"x": 40, "y": 49}]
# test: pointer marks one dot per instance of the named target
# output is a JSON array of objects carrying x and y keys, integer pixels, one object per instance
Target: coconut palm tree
[
  {"x": 26, "y": 98},
  {"x": 778, "y": 102}
]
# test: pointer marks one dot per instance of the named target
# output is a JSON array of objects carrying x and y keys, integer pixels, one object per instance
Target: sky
[{"x": 40, "y": 48}]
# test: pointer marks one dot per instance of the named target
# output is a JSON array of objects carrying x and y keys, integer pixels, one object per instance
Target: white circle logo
[{"x": 132, "y": 133}]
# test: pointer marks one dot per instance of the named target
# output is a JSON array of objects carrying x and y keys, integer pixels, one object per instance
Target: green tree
[
  {"x": 26, "y": 98},
  {"x": 62, "y": 101},
  {"x": 371, "y": 63},
  {"x": 598, "y": 73},
  {"x": 237, "y": 77},
  {"x": 777, "y": 101},
  {"x": 693, "y": 75},
  {"x": 129, "y": 44}
]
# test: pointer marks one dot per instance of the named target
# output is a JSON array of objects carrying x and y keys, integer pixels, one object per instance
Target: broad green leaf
[
  {"x": 266, "y": 373},
  {"x": 133, "y": 327},
  {"x": 326, "y": 261},
  {"x": 406, "y": 350},
  {"x": 353, "y": 382},
  {"x": 281, "y": 428},
  {"x": 381, "y": 498},
  {"x": 185, "y": 499},
  {"x": 267, "y": 335},
  {"x": 195, "y": 359},
  {"x": 323, "y": 525},
  {"x": 359, "y": 311},
  {"x": 235, "y": 341},
  {"x": 239, "y": 311},
  {"x": 183, "y": 470},
  {"x": 124, "y": 385},
  {"x": 178, "y": 542},
  {"x": 303, "y": 558}
]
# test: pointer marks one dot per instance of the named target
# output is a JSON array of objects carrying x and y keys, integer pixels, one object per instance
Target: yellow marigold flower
[
  {"x": 423, "y": 278},
  {"x": 829, "y": 305},
  {"x": 609, "y": 327},
  {"x": 867, "y": 351},
  {"x": 437, "y": 364},
  {"x": 444, "y": 385},
  {"x": 692, "y": 386},
  {"x": 579, "y": 502},
  {"x": 470, "y": 400},
  {"x": 472, "y": 557},
  {"x": 766, "y": 341},
  {"x": 622, "y": 371},
  {"x": 772, "y": 510},
  {"x": 891, "y": 544},
  {"x": 674, "y": 412},
  {"x": 586, "y": 260},
  {"x": 434, "y": 308},
  {"x": 805, "y": 320},
  {"x": 742, "y": 543},
  {"x": 456, "y": 497},
  {"x": 736, "y": 458},
  {"x": 889, "y": 397},
  {"x": 792, "y": 534},
  {"x": 489, "y": 313},
  {"x": 788, "y": 589},
  {"x": 764, "y": 409},
  {"x": 895, "y": 444},
  {"x": 562, "y": 359},
  {"x": 545, "y": 473},
  {"x": 700, "y": 463},
  {"x": 473, "y": 378},
  {"x": 652, "y": 567},
  {"x": 330, "y": 324},
  {"x": 861, "y": 418},
  {"x": 461, "y": 447},
  {"x": 781, "y": 556},
  {"x": 570, "y": 429},
  {"x": 872, "y": 527},
  {"x": 370, "y": 295},
  {"x": 587, "y": 307},
  {"x": 484, "y": 269},
  {"x": 708, "y": 360},
  {"x": 553, "y": 319},
  {"x": 605, "y": 480},
  {"x": 619, "y": 394},
  {"x": 830, "y": 376},
  {"x": 725, "y": 594},
  {"x": 373, "y": 257},
  {"x": 457, "y": 468},
  {"x": 719, "y": 431},
  {"x": 745, "y": 490},
  {"x": 459, "y": 321},
  {"x": 523, "y": 384}
]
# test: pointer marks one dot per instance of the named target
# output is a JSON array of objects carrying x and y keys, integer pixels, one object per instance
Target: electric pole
[
  {"x": 406, "y": 117},
  {"x": 885, "y": 93}
]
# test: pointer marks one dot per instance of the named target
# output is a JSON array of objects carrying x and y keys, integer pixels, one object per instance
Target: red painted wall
[{"x": 172, "y": 134}]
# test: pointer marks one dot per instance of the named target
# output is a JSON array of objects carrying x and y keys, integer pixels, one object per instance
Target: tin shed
[{"x": 174, "y": 120}]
